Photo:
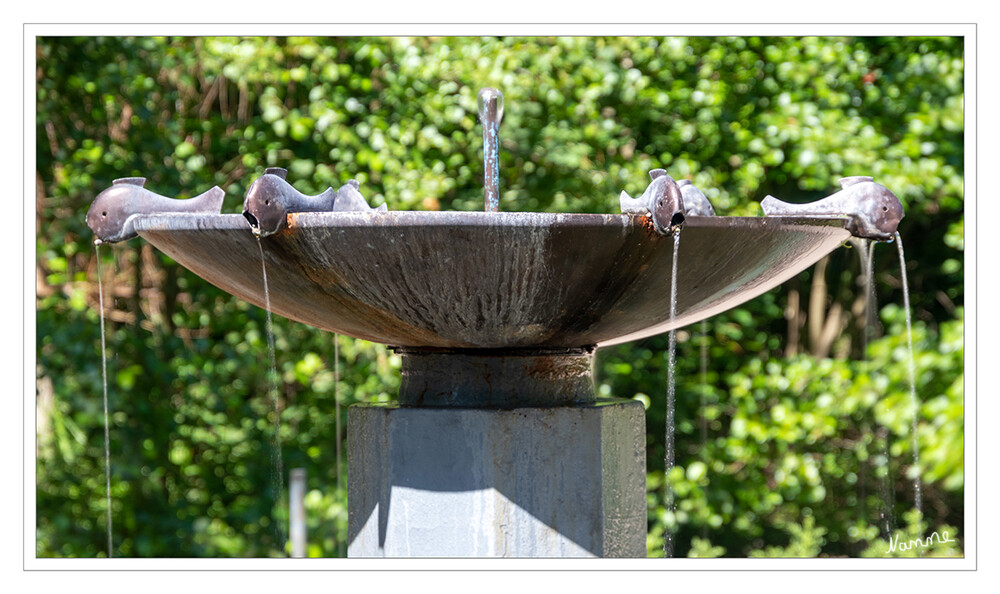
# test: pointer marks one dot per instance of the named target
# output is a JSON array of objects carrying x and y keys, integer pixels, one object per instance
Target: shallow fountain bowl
[{"x": 494, "y": 280}]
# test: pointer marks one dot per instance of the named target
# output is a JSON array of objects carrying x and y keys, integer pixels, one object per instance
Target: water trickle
[
  {"x": 277, "y": 466},
  {"x": 914, "y": 403},
  {"x": 703, "y": 335},
  {"x": 336, "y": 400},
  {"x": 883, "y": 475},
  {"x": 336, "y": 406},
  {"x": 703, "y": 437},
  {"x": 871, "y": 299},
  {"x": 104, "y": 381},
  {"x": 668, "y": 461}
]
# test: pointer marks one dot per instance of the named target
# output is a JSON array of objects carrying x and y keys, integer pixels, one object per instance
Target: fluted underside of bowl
[{"x": 494, "y": 280}]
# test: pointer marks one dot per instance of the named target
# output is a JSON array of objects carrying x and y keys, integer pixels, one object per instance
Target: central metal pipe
[
  {"x": 496, "y": 378},
  {"x": 490, "y": 114}
]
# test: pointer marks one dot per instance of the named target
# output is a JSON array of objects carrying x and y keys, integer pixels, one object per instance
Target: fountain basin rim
[{"x": 408, "y": 218}]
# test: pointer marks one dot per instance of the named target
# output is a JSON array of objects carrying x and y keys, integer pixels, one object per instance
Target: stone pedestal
[{"x": 460, "y": 479}]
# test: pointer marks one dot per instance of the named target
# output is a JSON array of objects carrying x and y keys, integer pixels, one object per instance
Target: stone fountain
[{"x": 497, "y": 444}]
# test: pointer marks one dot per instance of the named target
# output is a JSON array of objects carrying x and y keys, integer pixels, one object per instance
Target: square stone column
[{"x": 563, "y": 481}]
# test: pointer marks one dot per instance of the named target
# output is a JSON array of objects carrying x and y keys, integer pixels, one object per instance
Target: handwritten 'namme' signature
[{"x": 894, "y": 541}]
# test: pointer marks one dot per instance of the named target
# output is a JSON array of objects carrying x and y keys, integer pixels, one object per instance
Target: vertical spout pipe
[{"x": 490, "y": 114}]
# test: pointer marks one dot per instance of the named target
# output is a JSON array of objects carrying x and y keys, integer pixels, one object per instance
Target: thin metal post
[
  {"x": 490, "y": 114},
  {"x": 297, "y": 512}
]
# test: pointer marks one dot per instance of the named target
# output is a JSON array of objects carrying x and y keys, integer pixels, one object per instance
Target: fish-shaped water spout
[
  {"x": 662, "y": 201},
  {"x": 873, "y": 210},
  {"x": 111, "y": 215},
  {"x": 696, "y": 204},
  {"x": 270, "y": 199}
]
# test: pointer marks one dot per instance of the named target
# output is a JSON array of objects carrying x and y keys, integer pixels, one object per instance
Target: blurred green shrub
[{"x": 791, "y": 424}]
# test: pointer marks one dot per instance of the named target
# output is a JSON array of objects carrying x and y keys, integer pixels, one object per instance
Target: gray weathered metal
[
  {"x": 496, "y": 378},
  {"x": 696, "y": 204},
  {"x": 270, "y": 199},
  {"x": 113, "y": 212},
  {"x": 475, "y": 280},
  {"x": 873, "y": 211},
  {"x": 490, "y": 115},
  {"x": 662, "y": 200}
]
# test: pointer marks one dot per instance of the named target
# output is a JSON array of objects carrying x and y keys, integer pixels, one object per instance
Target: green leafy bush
[{"x": 800, "y": 429}]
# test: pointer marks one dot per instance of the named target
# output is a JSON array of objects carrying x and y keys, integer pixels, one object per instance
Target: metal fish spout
[
  {"x": 270, "y": 199},
  {"x": 873, "y": 210},
  {"x": 662, "y": 201},
  {"x": 111, "y": 214},
  {"x": 696, "y": 204}
]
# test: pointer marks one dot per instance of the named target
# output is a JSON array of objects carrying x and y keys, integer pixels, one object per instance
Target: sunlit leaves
[{"x": 585, "y": 118}]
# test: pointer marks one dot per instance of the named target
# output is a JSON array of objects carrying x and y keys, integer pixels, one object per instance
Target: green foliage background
[{"x": 793, "y": 423}]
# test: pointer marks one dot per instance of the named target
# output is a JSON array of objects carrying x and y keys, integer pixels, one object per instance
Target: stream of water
[
  {"x": 341, "y": 546},
  {"x": 914, "y": 402},
  {"x": 277, "y": 465},
  {"x": 668, "y": 461},
  {"x": 883, "y": 475},
  {"x": 336, "y": 401},
  {"x": 104, "y": 380},
  {"x": 703, "y": 348}
]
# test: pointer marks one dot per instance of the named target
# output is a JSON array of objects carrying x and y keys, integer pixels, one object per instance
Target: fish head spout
[
  {"x": 265, "y": 204},
  {"x": 349, "y": 198},
  {"x": 696, "y": 204},
  {"x": 110, "y": 213},
  {"x": 666, "y": 206},
  {"x": 879, "y": 211}
]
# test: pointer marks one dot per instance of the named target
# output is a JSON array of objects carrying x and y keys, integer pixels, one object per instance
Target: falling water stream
[
  {"x": 883, "y": 474},
  {"x": 336, "y": 407},
  {"x": 914, "y": 403},
  {"x": 336, "y": 400},
  {"x": 668, "y": 462},
  {"x": 104, "y": 380},
  {"x": 277, "y": 466},
  {"x": 703, "y": 347}
]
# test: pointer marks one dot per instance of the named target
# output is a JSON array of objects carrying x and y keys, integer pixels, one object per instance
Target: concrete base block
[{"x": 564, "y": 481}]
